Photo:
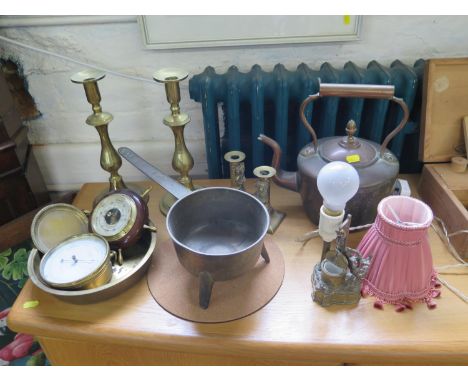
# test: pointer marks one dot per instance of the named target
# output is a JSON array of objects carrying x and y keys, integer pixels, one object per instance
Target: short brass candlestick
[
  {"x": 236, "y": 168},
  {"x": 264, "y": 175},
  {"x": 110, "y": 158},
  {"x": 182, "y": 161}
]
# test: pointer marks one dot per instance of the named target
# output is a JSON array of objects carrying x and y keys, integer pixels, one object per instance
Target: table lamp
[{"x": 336, "y": 279}]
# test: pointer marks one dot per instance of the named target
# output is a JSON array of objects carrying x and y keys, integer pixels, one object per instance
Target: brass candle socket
[
  {"x": 182, "y": 160},
  {"x": 236, "y": 168},
  {"x": 264, "y": 175},
  {"x": 110, "y": 159}
]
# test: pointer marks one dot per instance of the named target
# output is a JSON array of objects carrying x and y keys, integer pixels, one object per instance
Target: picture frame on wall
[{"x": 175, "y": 32}]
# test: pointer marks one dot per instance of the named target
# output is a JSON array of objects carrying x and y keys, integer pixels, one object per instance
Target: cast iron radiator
[{"x": 268, "y": 102}]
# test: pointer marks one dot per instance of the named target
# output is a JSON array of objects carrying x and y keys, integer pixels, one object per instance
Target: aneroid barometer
[{"x": 120, "y": 217}]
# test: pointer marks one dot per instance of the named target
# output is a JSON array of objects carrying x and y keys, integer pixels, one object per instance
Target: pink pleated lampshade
[{"x": 401, "y": 271}]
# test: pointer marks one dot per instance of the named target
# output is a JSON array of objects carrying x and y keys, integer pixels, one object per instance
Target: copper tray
[{"x": 137, "y": 260}]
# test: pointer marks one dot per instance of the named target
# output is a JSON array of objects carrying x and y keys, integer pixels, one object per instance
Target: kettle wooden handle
[
  {"x": 352, "y": 90},
  {"x": 362, "y": 91}
]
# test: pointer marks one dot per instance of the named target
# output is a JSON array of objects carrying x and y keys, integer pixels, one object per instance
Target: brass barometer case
[{"x": 120, "y": 217}]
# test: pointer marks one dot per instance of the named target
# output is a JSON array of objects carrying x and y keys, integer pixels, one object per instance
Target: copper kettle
[{"x": 377, "y": 166}]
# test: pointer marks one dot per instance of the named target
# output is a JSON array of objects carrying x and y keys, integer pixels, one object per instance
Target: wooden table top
[{"x": 291, "y": 327}]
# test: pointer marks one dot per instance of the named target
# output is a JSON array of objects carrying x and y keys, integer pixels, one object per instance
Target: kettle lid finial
[
  {"x": 351, "y": 129},
  {"x": 350, "y": 149},
  {"x": 350, "y": 141}
]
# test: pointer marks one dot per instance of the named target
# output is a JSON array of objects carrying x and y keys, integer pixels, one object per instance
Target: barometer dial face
[{"x": 114, "y": 216}]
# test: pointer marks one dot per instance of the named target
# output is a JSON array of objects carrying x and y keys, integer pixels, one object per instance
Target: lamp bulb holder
[{"x": 329, "y": 225}]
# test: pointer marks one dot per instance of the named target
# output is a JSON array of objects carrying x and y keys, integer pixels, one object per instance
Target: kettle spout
[{"x": 286, "y": 179}]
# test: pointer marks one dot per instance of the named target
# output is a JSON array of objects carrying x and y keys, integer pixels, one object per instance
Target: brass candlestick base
[
  {"x": 168, "y": 200},
  {"x": 166, "y": 203},
  {"x": 182, "y": 161},
  {"x": 110, "y": 159},
  {"x": 264, "y": 174}
]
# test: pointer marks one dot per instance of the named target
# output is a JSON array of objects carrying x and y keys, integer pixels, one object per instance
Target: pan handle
[{"x": 155, "y": 174}]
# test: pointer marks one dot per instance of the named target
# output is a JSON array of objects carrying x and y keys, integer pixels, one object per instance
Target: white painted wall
[{"x": 68, "y": 150}]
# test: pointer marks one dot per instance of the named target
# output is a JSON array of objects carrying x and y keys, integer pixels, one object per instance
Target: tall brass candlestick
[
  {"x": 110, "y": 159},
  {"x": 182, "y": 161}
]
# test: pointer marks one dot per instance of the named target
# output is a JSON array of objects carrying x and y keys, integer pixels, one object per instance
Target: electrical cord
[
  {"x": 69, "y": 59},
  {"x": 310, "y": 235},
  {"x": 445, "y": 236}
]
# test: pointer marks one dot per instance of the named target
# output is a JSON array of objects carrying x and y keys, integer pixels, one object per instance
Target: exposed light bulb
[{"x": 337, "y": 182}]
